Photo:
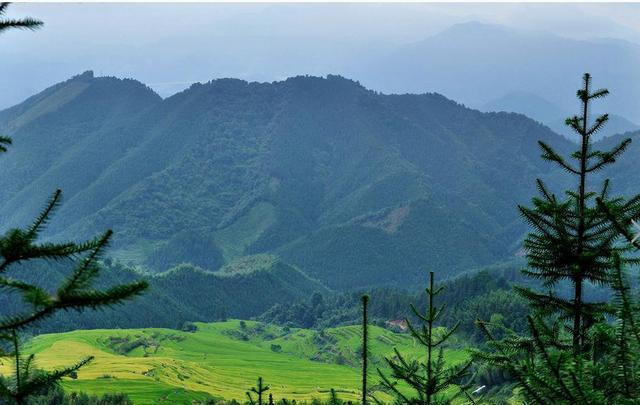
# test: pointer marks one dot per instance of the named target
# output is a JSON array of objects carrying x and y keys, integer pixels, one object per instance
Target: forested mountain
[
  {"x": 352, "y": 187},
  {"x": 244, "y": 288}
]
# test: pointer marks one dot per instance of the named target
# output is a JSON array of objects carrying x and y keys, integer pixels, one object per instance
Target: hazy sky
[{"x": 168, "y": 46}]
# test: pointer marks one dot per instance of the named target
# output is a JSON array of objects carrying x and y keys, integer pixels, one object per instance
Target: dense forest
[{"x": 319, "y": 171}]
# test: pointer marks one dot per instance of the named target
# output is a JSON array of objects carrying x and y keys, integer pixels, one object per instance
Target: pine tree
[
  {"x": 76, "y": 292},
  {"x": 18, "y": 246},
  {"x": 570, "y": 241},
  {"x": 259, "y": 390},
  {"x": 333, "y": 398},
  {"x": 365, "y": 347},
  {"x": 572, "y": 354},
  {"x": 430, "y": 379}
]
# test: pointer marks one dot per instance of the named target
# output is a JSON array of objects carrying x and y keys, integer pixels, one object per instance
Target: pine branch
[
  {"x": 46, "y": 379},
  {"x": 505, "y": 361},
  {"x": 598, "y": 124},
  {"x": 76, "y": 301},
  {"x": 599, "y": 94},
  {"x": 38, "y": 225},
  {"x": 25, "y": 23},
  {"x": 575, "y": 123},
  {"x": 549, "y": 154},
  {"x": 87, "y": 270},
  {"x": 606, "y": 158}
]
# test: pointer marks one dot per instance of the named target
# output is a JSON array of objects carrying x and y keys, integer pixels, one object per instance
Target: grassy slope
[{"x": 177, "y": 367}]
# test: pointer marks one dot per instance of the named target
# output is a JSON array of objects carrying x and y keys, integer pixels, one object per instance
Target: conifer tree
[
  {"x": 76, "y": 292},
  {"x": 570, "y": 241},
  {"x": 333, "y": 398},
  {"x": 431, "y": 378},
  {"x": 572, "y": 354},
  {"x": 365, "y": 347},
  {"x": 259, "y": 390}
]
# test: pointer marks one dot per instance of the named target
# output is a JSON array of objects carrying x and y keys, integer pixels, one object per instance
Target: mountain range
[
  {"x": 552, "y": 115},
  {"x": 472, "y": 62},
  {"x": 476, "y": 63},
  {"x": 345, "y": 187}
]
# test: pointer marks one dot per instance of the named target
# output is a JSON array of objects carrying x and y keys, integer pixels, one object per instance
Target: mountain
[
  {"x": 352, "y": 187},
  {"x": 68, "y": 134},
  {"x": 476, "y": 63},
  {"x": 529, "y": 104},
  {"x": 553, "y": 116}
]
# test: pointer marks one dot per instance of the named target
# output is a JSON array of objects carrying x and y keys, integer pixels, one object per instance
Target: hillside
[
  {"x": 243, "y": 289},
  {"x": 319, "y": 171},
  {"x": 220, "y": 360}
]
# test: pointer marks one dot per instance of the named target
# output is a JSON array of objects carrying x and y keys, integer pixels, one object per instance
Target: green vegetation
[
  {"x": 182, "y": 294},
  {"x": 431, "y": 381},
  {"x": 271, "y": 201},
  {"x": 486, "y": 294},
  {"x": 221, "y": 360},
  {"x": 571, "y": 239},
  {"x": 75, "y": 292},
  {"x": 321, "y": 172},
  {"x": 577, "y": 350}
]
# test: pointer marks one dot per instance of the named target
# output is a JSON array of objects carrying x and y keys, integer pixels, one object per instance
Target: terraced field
[{"x": 220, "y": 360}]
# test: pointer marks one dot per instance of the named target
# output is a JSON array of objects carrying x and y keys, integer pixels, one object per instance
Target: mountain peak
[
  {"x": 331, "y": 79},
  {"x": 84, "y": 76}
]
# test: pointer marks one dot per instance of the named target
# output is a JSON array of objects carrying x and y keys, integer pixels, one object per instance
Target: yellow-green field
[{"x": 218, "y": 360}]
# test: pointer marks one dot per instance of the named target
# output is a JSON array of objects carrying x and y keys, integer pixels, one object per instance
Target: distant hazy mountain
[
  {"x": 529, "y": 104},
  {"x": 553, "y": 116},
  {"x": 351, "y": 187},
  {"x": 476, "y": 63}
]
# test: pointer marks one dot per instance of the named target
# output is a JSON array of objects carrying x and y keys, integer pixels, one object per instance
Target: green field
[{"x": 218, "y": 360}]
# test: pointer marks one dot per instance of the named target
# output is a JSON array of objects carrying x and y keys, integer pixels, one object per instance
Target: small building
[{"x": 399, "y": 324}]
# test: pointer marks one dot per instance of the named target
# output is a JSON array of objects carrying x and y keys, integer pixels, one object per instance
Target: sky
[{"x": 169, "y": 46}]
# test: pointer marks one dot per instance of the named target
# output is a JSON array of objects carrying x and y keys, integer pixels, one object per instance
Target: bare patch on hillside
[{"x": 389, "y": 221}]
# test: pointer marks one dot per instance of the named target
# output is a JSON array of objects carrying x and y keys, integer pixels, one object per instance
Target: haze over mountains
[
  {"x": 478, "y": 63},
  {"x": 350, "y": 187},
  {"x": 438, "y": 49}
]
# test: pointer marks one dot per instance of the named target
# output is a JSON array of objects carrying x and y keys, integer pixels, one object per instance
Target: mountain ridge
[{"x": 322, "y": 172}]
